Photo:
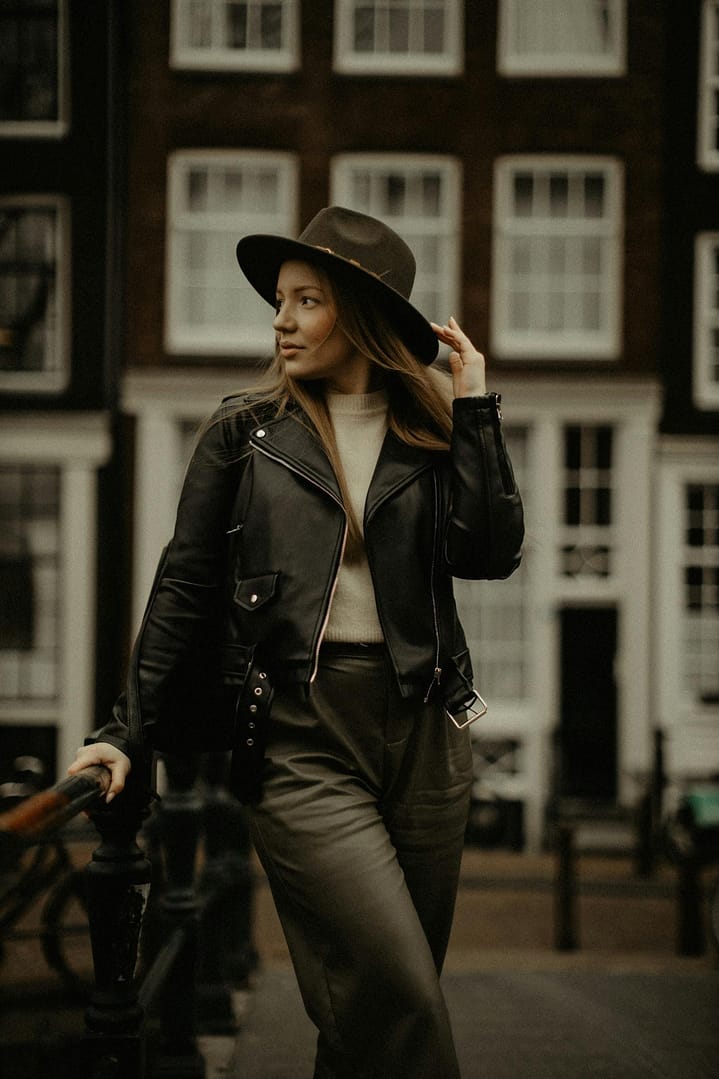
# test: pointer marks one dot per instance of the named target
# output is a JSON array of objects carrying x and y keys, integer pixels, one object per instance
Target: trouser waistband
[{"x": 352, "y": 648}]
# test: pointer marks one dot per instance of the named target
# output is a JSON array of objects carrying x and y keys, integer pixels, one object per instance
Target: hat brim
[{"x": 261, "y": 256}]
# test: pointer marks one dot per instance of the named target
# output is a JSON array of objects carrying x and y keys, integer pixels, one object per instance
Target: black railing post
[
  {"x": 117, "y": 883},
  {"x": 179, "y": 818}
]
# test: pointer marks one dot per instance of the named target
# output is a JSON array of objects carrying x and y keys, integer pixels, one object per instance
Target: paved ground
[
  {"x": 523, "y": 1024},
  {"x": 622, "y": 1006}
]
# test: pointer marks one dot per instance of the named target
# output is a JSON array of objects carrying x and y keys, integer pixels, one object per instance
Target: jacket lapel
[
  {"x": 290, "y": 442},
  {"x": 397, "y": 466}
]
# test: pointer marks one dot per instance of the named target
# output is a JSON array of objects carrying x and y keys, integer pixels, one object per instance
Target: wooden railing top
[{"x": 38, "y": 816}]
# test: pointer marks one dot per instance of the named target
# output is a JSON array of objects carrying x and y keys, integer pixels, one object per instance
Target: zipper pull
[{"x": 435, "y": 682}]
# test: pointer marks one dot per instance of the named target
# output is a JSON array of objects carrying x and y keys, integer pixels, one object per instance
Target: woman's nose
[{"x": 283, "y": 319}]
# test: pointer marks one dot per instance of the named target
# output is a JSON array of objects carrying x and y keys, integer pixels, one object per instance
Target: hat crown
[{"x": 364, "y": 241}]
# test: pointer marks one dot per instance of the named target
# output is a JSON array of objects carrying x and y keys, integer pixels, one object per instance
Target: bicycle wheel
[{"x": 65, "y": 934}]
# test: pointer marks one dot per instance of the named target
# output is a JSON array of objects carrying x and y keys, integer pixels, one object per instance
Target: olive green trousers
[{"x": 360, "y": 831}]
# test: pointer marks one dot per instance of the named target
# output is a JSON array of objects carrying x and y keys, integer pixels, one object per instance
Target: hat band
[{"x": 354, "y": 262}]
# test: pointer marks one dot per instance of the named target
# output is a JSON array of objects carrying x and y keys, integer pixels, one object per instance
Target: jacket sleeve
[
  {"x": 485, "y": 525},
  {"x": 186, "y": 591}
]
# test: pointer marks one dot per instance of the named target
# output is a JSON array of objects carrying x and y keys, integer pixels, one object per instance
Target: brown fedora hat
[{"x": 360, "y": 249}]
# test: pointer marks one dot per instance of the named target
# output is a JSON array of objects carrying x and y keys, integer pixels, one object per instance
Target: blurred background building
[{"x": 554, "y": 164}]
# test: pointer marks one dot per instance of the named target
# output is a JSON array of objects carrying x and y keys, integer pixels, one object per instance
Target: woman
[{"x": 352, "y": 488}]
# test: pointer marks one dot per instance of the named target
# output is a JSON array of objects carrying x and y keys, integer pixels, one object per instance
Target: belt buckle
[{"x": 471, "y": 712}]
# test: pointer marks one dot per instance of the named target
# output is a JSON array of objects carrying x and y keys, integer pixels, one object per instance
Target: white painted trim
[
  {"x": 692, "y": 729},
  {"x": 708, "y": 89},
  {"x": 79, "y": 444},
  {"x": 63, "y": 438},
  {"x": 705, "y": 391}
]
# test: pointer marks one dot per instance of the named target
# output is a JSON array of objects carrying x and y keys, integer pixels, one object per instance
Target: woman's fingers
[
  {"x": 465, "y": 362},
  {"x": 108, "y": 755}
]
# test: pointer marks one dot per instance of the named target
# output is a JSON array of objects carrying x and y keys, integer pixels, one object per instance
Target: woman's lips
[{"x": 288, "y": 349}]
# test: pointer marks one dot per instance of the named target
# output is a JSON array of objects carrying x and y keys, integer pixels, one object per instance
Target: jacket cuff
[{"x": 487, "y": 406}]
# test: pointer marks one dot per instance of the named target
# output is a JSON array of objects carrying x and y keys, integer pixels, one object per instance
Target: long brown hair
[{"x": 419, "y": 397}]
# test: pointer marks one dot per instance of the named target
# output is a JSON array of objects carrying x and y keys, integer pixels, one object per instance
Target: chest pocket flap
[{"x": 253, "y": 592}]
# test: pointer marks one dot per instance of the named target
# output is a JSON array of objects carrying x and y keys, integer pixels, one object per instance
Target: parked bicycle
[{"x": 43, "y": 874}]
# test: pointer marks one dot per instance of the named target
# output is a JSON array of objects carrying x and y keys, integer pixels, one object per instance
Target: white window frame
[
  {"x": 47, "y": 129},
  {"x": 447, "y": 63},
  {"x": 246, "y": 337},
  {"x": 560, "y": 63},
  {"x": 446, "y": 228},
  {"x": 706, "y": 321},
  {"x": 534, "y": 343},
  {"x": 693, "y": 742},
  {"x": 218, "y": 56},
  {"x": 55, "y": 379},
  {"x": 708, "y": 88},
  {"x": 78, "y": 444}
]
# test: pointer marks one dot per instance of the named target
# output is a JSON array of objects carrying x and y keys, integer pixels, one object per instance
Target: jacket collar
[{"x": 290, "y": 441}]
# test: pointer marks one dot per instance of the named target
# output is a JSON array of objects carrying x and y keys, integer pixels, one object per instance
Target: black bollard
[
  {"x": 117, "y": 883},
  {"x": 690, "y": 908},
  {"x": 565, "y": 906},
  {"x": 180, "y": 815}
]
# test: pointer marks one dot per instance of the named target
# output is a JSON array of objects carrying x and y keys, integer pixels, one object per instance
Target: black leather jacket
[{"x": 260, "y": 497}]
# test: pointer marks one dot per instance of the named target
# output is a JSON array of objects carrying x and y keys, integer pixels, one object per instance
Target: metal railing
[{"x": 196, "y": 938}]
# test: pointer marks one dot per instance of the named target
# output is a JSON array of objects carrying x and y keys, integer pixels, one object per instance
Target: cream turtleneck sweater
[{"x": 360, "y": 423}]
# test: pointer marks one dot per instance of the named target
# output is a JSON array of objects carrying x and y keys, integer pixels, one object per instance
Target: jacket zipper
[
  {"x": 323, "y": 628},
  {"x": 338, "y": 562},
  {"x": 435, "y": 617}
]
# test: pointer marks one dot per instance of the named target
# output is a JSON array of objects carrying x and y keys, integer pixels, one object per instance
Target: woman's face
[{"x": 309, "y": 339}]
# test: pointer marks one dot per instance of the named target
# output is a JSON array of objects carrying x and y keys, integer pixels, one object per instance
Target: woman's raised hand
[
  {"x": 112, "y": 757},
  {"x": 465, "y": 363}
]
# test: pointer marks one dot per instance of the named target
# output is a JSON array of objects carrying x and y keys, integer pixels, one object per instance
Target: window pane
[
  {"x": 594, "y": 196},
  {"x": 398, "y": 30},
  {"x": 234, "y": 34},
  {"x": 523, "y": 194},
  {"x": 28, "y": 293},
  {"x": 559, "y": 196},
  {"x": 588, "y": 501},
  {"x": 29, "y": 36},
  {"x": 701, "y": 590},
  {"x": 576, "y": 36},
  {"x": 397, "y": 35},
  {"x": 29, "y": 582}
]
